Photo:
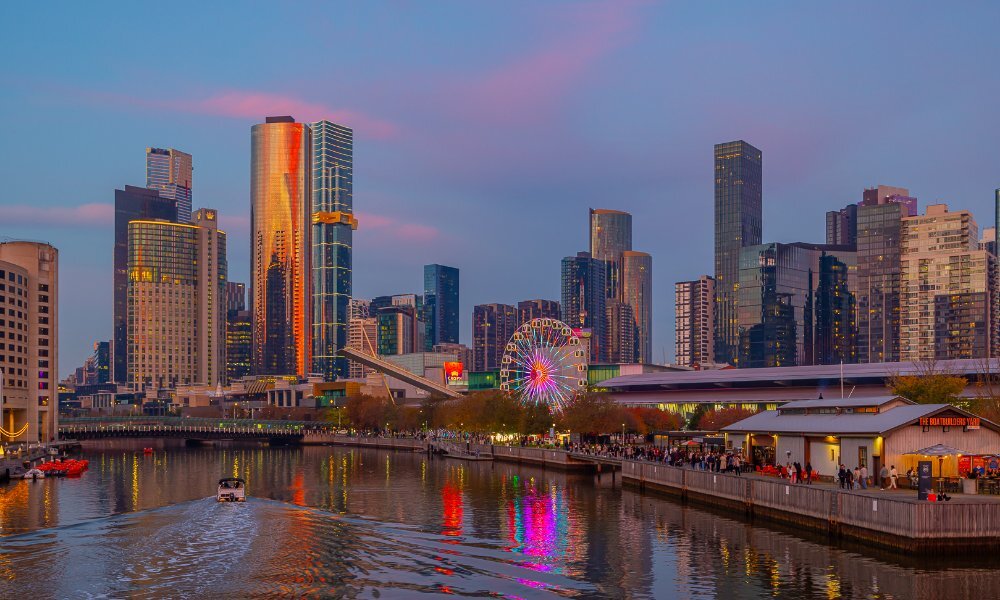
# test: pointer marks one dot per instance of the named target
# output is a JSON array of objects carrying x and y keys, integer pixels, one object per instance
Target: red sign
[
  {"x": 972, "y": 422},
  {"x": 453, "y": 371}
]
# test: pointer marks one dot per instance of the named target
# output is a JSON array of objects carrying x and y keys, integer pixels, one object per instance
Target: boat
[
  {"x": 147, "y": 450},
  {"x": 34, "y": 474},
  {"x": 232, "y": 489}
]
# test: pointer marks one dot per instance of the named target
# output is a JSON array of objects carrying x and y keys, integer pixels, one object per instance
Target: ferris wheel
[{"x": 544, "y": 363}]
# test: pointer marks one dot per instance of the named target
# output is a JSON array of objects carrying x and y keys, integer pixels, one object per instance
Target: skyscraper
[
  {"x": 537, "y": 309},
  {"x": 610, "y": 236},
  {"x": 842, "y": 226},
  {"x": 400, "y": 331},
  {"x": 737, "y": 225},
  {"x": 584, "y": 300},
  {"x": 835, "y": 313},
  {"x": 492, "y": 327},
  {"x": 441, "y": 305},
  {"x": 333, "y": 224},
  {"x": 102, "y": 361},
  {"x": 29, "y": 272},
  {"x": 880, "y": 223},
  {"x": 176, "y": 302},
  {"x": 169, "y": 171},
  {"x": 239, "y": 337},
  {"x": 637, "y": 292},
  {"x": 280, "y": 201},
  {"x": 694, "y": 321},
  {"x": 620, "y": 323},
  {"x": 132, "y": 203},
  {"x": 236, "y": 295}
]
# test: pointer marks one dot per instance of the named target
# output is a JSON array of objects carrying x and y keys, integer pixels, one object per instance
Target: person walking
[
  {"x": 809, "y": 473},
  {"x": 893, "y": 476},
  {"x": 864, "y": 477},
  {"x": 856, "y": 478},
  {"x": 883, "y": 477}
]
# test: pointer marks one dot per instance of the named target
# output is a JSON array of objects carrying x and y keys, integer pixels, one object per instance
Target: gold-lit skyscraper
[{"x": 280, "y": 201}]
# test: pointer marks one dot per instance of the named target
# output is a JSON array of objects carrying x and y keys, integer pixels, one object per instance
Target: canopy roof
[{"x": 936, "y": 450}]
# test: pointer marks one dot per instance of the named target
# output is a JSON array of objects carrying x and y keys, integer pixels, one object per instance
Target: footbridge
[
  {"x": 185, "y": 428},
  {"x": 389, "y": 368}
]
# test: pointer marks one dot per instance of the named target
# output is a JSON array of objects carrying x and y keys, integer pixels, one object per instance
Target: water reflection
[{"x": 341, "y": 521}]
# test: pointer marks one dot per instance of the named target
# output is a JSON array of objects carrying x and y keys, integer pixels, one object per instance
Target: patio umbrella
[
  {"x": 691, "y": 443},
  {"x": 940, "y": 451}
]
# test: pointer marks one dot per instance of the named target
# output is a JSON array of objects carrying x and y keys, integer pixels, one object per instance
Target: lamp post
[{"x": 623, "y": 434}]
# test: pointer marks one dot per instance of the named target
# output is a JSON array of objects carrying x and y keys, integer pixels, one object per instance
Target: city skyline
[{"x": 556, "y": 76}]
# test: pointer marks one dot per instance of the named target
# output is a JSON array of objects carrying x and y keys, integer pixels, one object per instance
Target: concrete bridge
[{"x": 282, "y": 432}]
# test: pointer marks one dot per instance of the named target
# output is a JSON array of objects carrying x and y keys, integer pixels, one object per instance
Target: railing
[{"x": 146, "y": 429}]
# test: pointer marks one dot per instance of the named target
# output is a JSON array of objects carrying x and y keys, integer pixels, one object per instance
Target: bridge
[
  {"x": 386, "y": 367},
  {"x": 187, "y": 428}
]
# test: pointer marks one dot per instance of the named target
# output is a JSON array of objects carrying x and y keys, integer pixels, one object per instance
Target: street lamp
[{"x": 623, "y": 433}]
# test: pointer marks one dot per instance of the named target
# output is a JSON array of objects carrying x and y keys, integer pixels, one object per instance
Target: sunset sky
[{"x": 484, "y": 130}]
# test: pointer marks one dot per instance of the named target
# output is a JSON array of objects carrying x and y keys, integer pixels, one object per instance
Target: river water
[{"x": 347, "y": 522}]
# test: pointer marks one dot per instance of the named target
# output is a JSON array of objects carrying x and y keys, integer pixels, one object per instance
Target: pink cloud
[
  {"x": 94, "y": 213},
  {"x": 394, "y": 229}
]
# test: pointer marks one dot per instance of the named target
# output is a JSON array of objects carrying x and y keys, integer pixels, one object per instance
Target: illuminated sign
[
  {"x": 453, "y": 371},
  {"x": 970, "y": 422}
]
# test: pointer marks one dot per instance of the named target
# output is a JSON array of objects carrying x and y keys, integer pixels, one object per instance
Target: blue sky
[{"x": 484, "y": 130}]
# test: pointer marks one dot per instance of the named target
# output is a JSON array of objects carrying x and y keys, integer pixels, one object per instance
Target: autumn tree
[
  {"x": 716, "y": 419},
  {"x": 593, "y": 414},
  {"x": 930, "y": 384}
]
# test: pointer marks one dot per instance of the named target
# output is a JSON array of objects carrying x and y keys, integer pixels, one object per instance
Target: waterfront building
[
  {"x": 492, "y": 327},
  {"x": 29, "y": 361},
  {"x": 738, "y": 204},
  {"x": 637, "y": 293},
  {"x": 441, "y": 304},
  {"x": 620, "y": 320},
  {"x": 236, "y": 296},
  {"x": 132, "y": 203},
  {"x": 239, "y": 337},
  {"x": 333, "y": 225},
  {"x": 280, "y": 199},
  {"x": 610, "y": 236},
  {"x": 842, "y": 226},
  {"x": 537, "y": 309},
  {"x": 584, "y": 301},
  {"x": 169, "y": 171},
  {"x": 694, "y": 321},
  {"x": 880, "y": 223},
  {"x": 948, "y": 288},
  {"x": 176, "y": 302},
  {"x": 400, "y": 331}
]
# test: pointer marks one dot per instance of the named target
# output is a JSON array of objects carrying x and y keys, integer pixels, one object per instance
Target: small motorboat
[
  {"x": 34, "y": 474},
  {"x": 232, "y": 489}
]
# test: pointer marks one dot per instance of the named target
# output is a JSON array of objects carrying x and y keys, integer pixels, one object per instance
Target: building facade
[
  {"x": 842, "y": 226},
  {"x": 239, "y": 336},
  {"x": 169, "y": 171},
  {"x": 948, "y": 292},
  {"x": 176, "y": 302},
  {"x": 132, "y": 203},
  {"x": 362, "y": 334},
  {"x": 333, "y": 225},
  {"x": 280, "y": 201},
  {"x": 637, "y": 293},
  {"x": 694, "y": 321},
  {"x": 400, "y": 331},
  {"x": 492, "y": 327},
  {"x": 610, "y": 236},
  {"x": 29, "y": 360},
  {"x": 441, "y": 305},
  {"x": 738, "y": 204},
  {"x": 584, "y": 300},
  {"x": 623, "y": 345},
  {"x": 236, "y": 296},
  {"x": 537, "y": 309}
]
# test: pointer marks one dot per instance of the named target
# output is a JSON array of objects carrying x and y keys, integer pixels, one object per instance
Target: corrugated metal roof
[
  {"x": 853, "y": 423},
  {"x": 842, "y": 402}
]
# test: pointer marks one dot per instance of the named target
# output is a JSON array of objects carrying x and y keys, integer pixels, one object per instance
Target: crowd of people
[{"x": 705, "y": 460}]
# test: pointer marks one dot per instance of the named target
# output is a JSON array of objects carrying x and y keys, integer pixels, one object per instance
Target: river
[{"x": 348, "y": 522}]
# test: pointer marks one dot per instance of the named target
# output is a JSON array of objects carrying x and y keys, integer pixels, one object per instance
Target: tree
[
  {"x": 930, "y": 385},
  {"x": 593, "y": 414},
  {"x": 716, "y": 419}
]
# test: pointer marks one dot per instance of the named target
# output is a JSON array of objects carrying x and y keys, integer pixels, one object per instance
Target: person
[
  {"x": 856, "y": 478},
  {"x": 842, "y": 476},
  {"x": 864, "y": 477},
  {"x": 883, "y": 477},
  {"x": 809, "y": 473},
  {"x": 736, "y": 465},
  {"x": 893, "y": 476}
]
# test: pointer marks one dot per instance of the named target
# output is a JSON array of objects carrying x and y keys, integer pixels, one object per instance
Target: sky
[{"x": 485, "y": 130}]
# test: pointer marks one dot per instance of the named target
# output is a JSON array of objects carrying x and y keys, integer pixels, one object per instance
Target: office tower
[
  {"x": 948, "y": 292},
  {"x": 836, "y": 331},
  {"x": 236, "y": 296},
  {"x": 400, "y": 331},
  {"x": 880, "y": 223},
  {"x": 102, "y": 361},
  {"x": 778, "y": 286},
  {"x": 694, "y": 322},
  {"x": 537, "y": 309},
  {"x": 584, "y": 300},
  {"x": 132, "y": 203},
  {"x": 610, "y": 235},
  {"x": 441, "y": 304},
  {"x": 29, "y": 272},
  {"x": 176, "y": 302},
  {"x": 737, "y": 225},
  {"x": 280, "y": 200},
  {"x": 842, "y": 226},
  {"x": 333, "y": 225},
  {"x": 239, "y": 338},
  {"x": 169, "y": 171},
  {"x": 378, "y": 303},
  {"x": 492, "y": 327},
  {"x": 637, "y": 292},
  {"x": 620, "y": 323}
]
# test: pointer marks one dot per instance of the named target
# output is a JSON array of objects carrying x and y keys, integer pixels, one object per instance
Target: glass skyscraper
[
  {"x": 610, "y": 235},
  {"x": 637, "y": 293},
  {"x": 333, "y": 224},
  {"x": 737, "y": 225},
  {"x": 492, "y": 327},
  {"x": 584, "y": 300},
  {"x": 280, "y": 201},
  {"x": 169, "y": 171},
  {"x": 441, "y": 305}
]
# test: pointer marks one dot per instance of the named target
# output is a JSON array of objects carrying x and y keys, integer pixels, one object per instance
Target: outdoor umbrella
[{"x": 940, "y": 451}]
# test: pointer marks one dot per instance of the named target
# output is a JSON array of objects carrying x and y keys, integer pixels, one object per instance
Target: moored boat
[{"x": 34, "y": 474}]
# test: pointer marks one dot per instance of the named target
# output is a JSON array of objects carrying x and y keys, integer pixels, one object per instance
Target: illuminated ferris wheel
[{"x": 544, "y": 363}]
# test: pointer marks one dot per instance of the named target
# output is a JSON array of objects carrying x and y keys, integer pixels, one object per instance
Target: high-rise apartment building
[
  {"x": 29, "y": 358},
  {"x": 176, "y": 302},
  {"x": 842, "y": 226},
  {"x": 131, "y": 204},
  {"x": 236, "y": 296},
  {"x": 441, "y": 305},
  {"x": 537, "y": 309},
  {"x": 880, "y": 223},
  {"x": 610, "y": 236},
  {"x": 169, "y": 171},
  {"x": 948, "y": 288},
  {"x": 333, "y": 225},
  {"x": 738, "y": 205},
  {"x": 584, "y": 300},
  {"x": 835, "y": 335},
  {"x": 694, "y": 321},
  {"x": 637, "y": 293},
  {"x": 492, "y": 327},
  {"x": 400, "y": 330},
  {"x": 239, "y": 337},
  {"x": 620, "y": 323},
  {"x": 280, "y": 221}
]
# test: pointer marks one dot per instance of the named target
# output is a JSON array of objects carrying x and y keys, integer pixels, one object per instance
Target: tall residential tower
[
  {"x": 169, "y": 171},
  {"x": 441, "y": 305}
]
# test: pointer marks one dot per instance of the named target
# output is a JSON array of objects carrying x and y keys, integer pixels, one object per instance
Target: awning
[{"x": 939, "y": 450}]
